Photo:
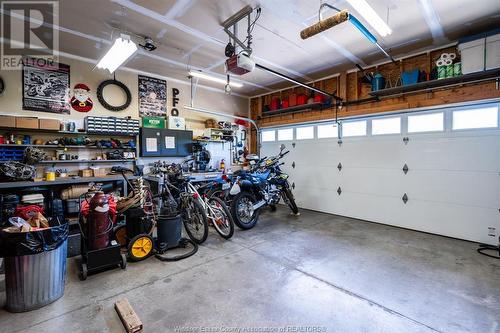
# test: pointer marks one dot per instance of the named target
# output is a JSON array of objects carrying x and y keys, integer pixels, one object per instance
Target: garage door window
[
  {"x": 386, "y": 126},
  {"x": 268, "y": 136},
  {"x": 327, "y": 131},
  {"x": 355, "y": 128},
  {"x": 285, "y": 134},
  {"x": 475, "y": 118},
  {"x": 304, "y": 133},
  {"x": 432, "y": 122}
]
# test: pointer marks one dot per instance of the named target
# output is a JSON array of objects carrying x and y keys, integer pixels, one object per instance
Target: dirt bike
[{"x": 264, "y": 185}]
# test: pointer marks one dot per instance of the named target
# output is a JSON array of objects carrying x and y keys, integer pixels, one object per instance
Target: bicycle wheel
[
  {"x": 221, "y": 219},
  {"x": 195, "y": 221}
]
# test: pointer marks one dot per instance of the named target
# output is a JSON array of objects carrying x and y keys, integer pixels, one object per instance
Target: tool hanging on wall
[{"x": 340, "y": 17}]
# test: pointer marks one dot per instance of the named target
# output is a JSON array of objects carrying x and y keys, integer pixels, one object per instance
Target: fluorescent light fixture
[
  {"x": 202, "y": 75},
  {"x": 432, "y": 19},
  {"x": 370, "y": 16},
  {"x": 123, "y": 48}
]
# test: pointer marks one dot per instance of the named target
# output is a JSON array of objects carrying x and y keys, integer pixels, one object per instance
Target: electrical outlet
[{"x": 491, "y": 231}]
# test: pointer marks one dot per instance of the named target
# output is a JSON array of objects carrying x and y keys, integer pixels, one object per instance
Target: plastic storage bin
[
  {"x": 472, "y": 53},
  {"x": 493, "y": 51}
]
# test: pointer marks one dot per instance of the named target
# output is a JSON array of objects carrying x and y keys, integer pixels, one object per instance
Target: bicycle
[{"x": 216, "y": 210}]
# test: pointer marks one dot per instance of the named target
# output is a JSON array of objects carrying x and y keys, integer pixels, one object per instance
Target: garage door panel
[
  {"x": 324, "y": 200},
  {"x": 464, "y": 222},
  {"x": 377, "y": 153},
  {"x": 480, "y": 189},
  {"x": 366, "y": 206},
  {"x": 317, "y": 177},
  {"x": 454, "y": 153},
  {"x": 377, "y": 181},
  {"x": 448, "y": 219}
]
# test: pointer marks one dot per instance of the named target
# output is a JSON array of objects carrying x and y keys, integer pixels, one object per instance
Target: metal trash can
[
  {"x": 36, "y": 280},
  {"x": 35, "y": 267}
]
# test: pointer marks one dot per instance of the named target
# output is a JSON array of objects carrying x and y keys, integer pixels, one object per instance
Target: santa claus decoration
[{"x": 81, "y": 101}]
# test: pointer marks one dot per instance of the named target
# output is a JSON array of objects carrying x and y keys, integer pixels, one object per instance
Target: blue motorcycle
[{"x": 264, "y": 185}]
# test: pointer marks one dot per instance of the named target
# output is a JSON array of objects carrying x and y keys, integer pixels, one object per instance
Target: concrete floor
[{"x": 312, "y": 273}]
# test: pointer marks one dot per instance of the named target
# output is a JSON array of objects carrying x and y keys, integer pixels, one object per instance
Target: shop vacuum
[
  {"x": 169, "y": 229},
  {"x": 99, "y": 250}
]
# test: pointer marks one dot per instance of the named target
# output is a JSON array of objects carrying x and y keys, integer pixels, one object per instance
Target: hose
[
  {"x": 485, "y": 247},
  {"x": 182, "y": 243}
]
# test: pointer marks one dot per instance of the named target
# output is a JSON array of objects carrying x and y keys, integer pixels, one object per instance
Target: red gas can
[
  {"x": 318, "y": 98},
  {"x": 284, "y": 103},
  {"x": 301, "y": 99},
  {"x": 275, "y": 103}
]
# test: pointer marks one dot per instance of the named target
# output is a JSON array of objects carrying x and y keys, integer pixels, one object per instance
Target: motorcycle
[{"x": 263, "y": 185}]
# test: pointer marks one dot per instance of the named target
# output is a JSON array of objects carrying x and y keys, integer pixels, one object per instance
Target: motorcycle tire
[
  {"x": 237, "y": 200},
  {"x": 290, "y": 200},
  {"x": 198, "y": 209}
]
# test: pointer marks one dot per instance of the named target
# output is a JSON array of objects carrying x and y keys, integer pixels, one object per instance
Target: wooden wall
[{"x": 350, "y": 87}]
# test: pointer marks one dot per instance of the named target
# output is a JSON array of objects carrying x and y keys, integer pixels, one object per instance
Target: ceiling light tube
[
  {"x": 370, "y": 16},
  {"x": 204, "y": 76},
  {"x": 121, "y": 50}
]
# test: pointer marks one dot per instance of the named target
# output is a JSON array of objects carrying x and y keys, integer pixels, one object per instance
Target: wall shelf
[
  {"x": 85, "y": 161},
  {"x": 42, "y": 130},
  {"x": 62, "y": 147},
  {"x": 293, "y": 109},
  {"x": 64, "y": 181},
  {"x": 211, "y": 140},
  {"x": 439, "y": 84}
]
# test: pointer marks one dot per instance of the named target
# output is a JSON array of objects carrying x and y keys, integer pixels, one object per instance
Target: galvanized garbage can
[{"x": 35, "y": 267}]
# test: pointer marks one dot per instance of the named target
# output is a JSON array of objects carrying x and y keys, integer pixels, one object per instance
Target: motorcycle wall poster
[{"x": 46, "y": 86}]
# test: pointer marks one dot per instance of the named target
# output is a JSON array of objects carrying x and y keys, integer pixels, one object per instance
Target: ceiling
[{"x": 190, "y": 35}]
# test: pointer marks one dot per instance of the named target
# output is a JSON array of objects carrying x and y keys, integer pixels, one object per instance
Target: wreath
[{"x": 108, "y": 106}]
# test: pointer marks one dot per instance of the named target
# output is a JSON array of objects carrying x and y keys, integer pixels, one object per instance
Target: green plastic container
[
  {"x": 457, "y": 68},
  {"x": 441, "y": 72}
]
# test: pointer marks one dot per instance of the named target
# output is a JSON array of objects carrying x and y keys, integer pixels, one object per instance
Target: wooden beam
[{"x": 128, "y": 316}]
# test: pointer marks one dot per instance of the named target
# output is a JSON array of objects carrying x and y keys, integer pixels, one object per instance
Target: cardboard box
[
  {"x": 101, "y": 172},
  {"x": 85, "y": 173},
  {"x": 49, "y": 124},
  {"x": 27, "y": 122},
  {"x": 7, "y": 121}
]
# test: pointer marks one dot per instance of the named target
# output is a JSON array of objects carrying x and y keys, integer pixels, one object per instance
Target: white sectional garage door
[{"x": 452, "y": 183}]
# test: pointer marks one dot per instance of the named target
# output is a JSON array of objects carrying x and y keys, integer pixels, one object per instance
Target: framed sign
[
  {"x": 152, "y": 97},
  {"x": 45, "y": 86}
]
